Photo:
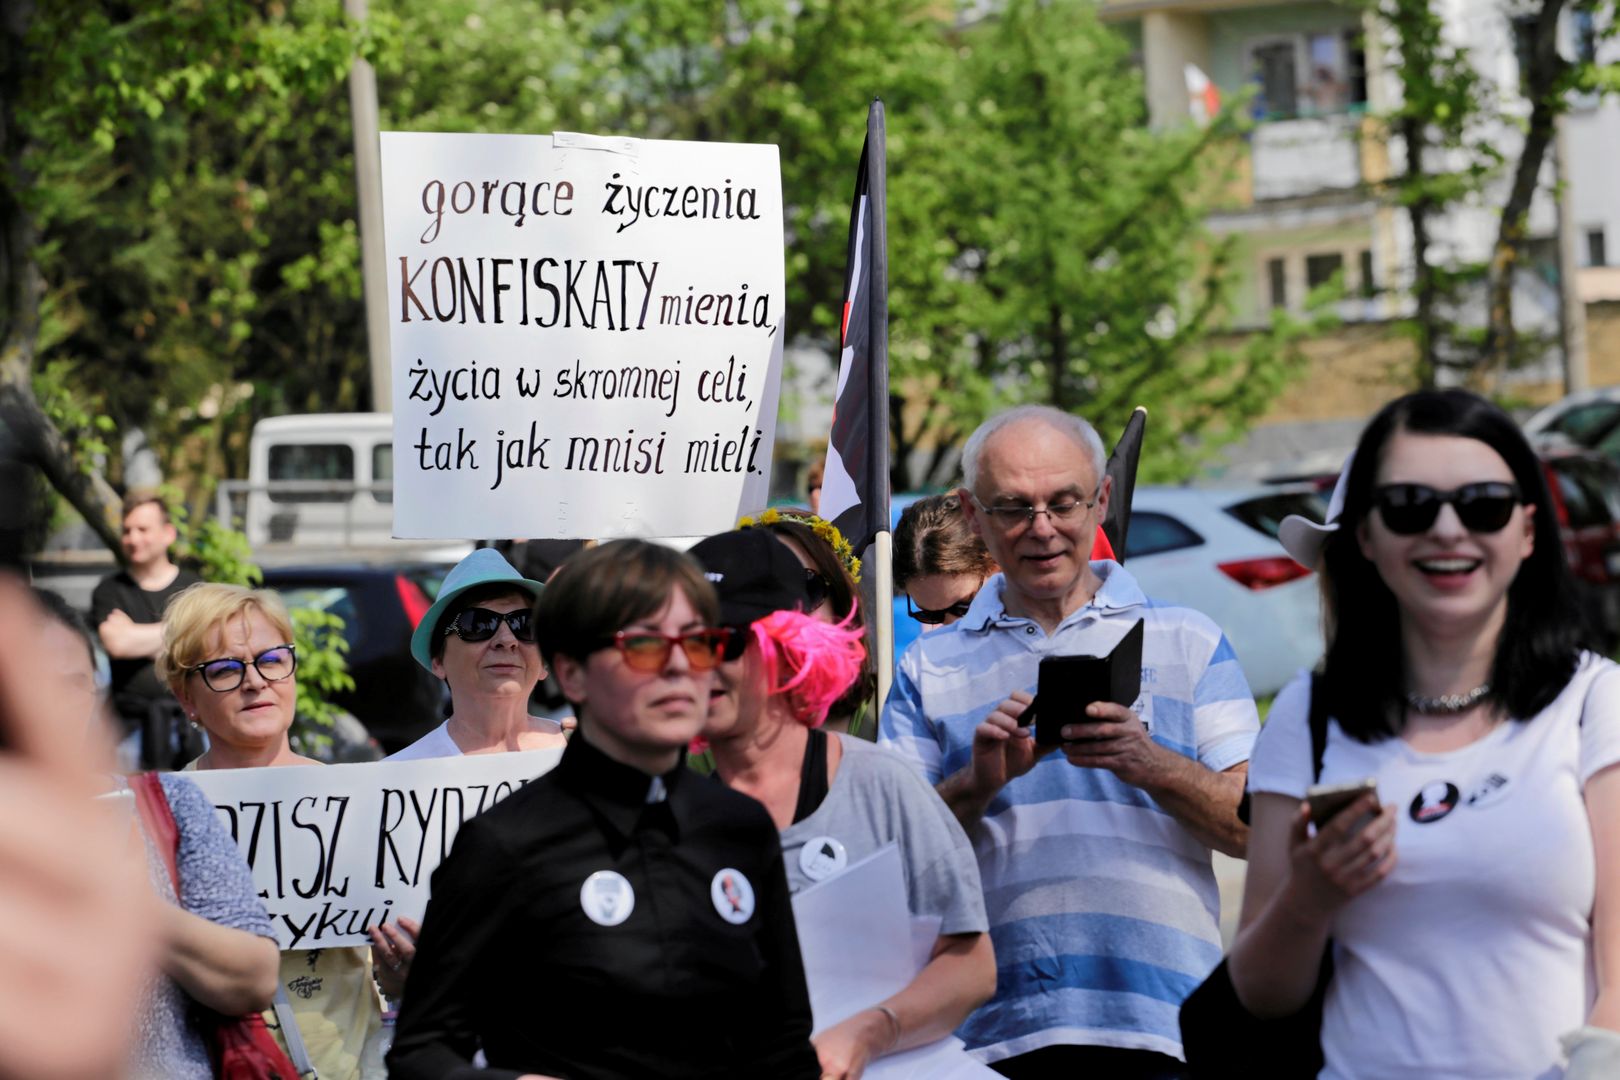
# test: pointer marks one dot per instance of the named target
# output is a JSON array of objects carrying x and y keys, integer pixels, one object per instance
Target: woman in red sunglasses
[
  {"x": 620, "y": 916},
  {"x": 1459, "y": 911}
]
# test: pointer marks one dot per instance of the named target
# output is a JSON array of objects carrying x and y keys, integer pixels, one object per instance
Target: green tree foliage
[
  {"x": 188, "y": 170},
  {"x": 1069, "y": 243},
  {"x": 1448, "y": 125}
]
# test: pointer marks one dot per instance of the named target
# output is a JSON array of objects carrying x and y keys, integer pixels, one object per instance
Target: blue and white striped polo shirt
[{"x": 1103, "y": 908}]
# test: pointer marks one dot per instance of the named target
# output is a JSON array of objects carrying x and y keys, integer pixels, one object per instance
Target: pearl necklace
[{"x": 1447, "y": 704}]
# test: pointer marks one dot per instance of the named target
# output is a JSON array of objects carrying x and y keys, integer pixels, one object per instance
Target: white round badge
[
  {"x": 822, "y": 857},
  {"x": 733, "y": 896},
  {"x": 607, "y": 898}
]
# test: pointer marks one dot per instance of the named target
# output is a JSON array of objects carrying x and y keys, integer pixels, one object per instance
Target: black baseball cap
[{"x": 754, "y": 573}]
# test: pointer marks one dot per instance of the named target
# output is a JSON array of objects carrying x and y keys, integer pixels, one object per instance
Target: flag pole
[
  {"x": 878, "y": 460},
  {"x": 883, "y": 588}
]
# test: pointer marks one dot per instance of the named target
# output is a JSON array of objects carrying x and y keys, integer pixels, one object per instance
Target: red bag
[{"x": 240, "y": 1047}]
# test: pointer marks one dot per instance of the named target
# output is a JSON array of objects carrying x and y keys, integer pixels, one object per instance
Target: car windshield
[
  {"x": 1264, "y": 513},
  {"x": 327, "y": 599}
]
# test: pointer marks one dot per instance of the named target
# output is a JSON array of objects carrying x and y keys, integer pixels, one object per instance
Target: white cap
[{"x": 1303, "y": 538}]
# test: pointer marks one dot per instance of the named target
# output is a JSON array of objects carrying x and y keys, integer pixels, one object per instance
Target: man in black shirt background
[{"x": 127, "y": 612}]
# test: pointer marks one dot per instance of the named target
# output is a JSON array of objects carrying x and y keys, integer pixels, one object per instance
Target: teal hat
[{"x": 486, "y": 566}]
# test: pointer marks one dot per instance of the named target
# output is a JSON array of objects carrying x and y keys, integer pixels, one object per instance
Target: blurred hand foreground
[{"x": 77, "y": 918}]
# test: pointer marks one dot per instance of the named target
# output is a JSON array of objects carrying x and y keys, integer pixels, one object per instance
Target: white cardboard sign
[
  {"x": 586, "y": 333},
  {"x": 340, "y": 848}
]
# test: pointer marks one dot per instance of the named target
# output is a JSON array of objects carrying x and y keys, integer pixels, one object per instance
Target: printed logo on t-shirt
[
  {"x": 822, "y": 857},
  {"x": 733, "y": 896},
  {"x": 1488, "y": 788},
  {"x": 607, "y": 898},
  {"x": 1434, "y": 801}
]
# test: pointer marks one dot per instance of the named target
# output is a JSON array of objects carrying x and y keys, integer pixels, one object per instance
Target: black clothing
[
  {"x": 813, "y": 780},
  {"x": 509, "y": 960},
  {"x": 135, "y": 685},
  {"x": 1067, "y": 1062}
]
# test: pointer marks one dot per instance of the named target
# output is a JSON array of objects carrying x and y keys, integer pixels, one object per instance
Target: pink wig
[{"x": 809, "y": 660}]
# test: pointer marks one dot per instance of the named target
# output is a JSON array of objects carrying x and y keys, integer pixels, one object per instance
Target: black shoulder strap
[
  {"x": 1319, "y": 727},
  {"x": 1318, "y": 721}
]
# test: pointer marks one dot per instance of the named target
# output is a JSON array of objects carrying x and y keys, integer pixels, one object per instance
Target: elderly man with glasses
[{"x": 1096, "y": 859}]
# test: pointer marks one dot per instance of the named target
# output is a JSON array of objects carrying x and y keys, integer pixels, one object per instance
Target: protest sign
[
  {"x": 586, "y": 333},
  {"x": 337, "y": 849}
]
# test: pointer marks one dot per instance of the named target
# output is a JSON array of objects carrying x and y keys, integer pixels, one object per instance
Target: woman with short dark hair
[
  {"x": 1455, "y": 679},
  {"x": 644, "y": 904}
]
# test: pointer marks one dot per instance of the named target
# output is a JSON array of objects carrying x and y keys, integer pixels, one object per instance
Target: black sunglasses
[
  {"x": 1409, "y": 509},
  {"x": 931, "y": 617},
  {"x": 481, "y": 624}
]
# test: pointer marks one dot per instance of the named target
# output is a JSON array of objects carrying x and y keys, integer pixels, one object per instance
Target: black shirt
[
  {"x": 135, "y": 684},
  {"x": 510, "y": 960}
]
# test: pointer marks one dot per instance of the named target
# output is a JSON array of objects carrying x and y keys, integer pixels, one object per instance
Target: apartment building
[{"x": 1306, "y": 205}]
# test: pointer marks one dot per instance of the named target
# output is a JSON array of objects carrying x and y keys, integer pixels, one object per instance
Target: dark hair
[
  {"x": 60, "y": 610},
  {"x": 933, "y": 537},
  {"x": 1540, "y": 644},
  {"x": 478, "y": 594},
  {"x": 140, "y": 497},
  {"x": 599, "y": 591},
  {"x": 844, "y": 598}
]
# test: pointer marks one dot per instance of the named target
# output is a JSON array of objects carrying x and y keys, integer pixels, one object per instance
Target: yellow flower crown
[{"x": 822, "y": 528}]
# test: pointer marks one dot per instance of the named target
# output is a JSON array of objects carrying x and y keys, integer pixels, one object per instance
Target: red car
[{"x": 1586, "y": 494}]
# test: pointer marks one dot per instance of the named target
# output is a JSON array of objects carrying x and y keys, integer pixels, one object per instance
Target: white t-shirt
[
  {"x": 1475, "y": 954},
  {"x": 438, "y": 743}
]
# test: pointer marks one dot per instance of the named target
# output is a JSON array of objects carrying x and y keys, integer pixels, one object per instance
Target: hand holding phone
[{"x": 1328, "y": 800}]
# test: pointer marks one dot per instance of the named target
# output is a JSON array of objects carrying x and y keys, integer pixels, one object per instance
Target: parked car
[
  {"x": 1216, "y": 551},
  {"x": 380, "y": 606},
  {"x": 1589, "y": 419},
  {"x": 1585, "y": 489}
]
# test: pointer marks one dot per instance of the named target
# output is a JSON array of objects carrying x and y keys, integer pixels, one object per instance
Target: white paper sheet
[
  {"x": 855, "y": 934},
  {"x": 860, "y": 946}
]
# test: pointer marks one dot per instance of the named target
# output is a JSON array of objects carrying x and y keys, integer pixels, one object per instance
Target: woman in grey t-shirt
[{"x": 837, "y": 799}]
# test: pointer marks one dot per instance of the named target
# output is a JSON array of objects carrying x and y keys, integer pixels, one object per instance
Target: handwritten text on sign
[
  {"x": 337, "y": 849},
  {"x": 586, "y": 333}
]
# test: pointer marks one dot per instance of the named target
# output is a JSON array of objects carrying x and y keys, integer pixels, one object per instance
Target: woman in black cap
[
  {"x": 837, "y": 798},
  {"x": 644, "y": 905}
]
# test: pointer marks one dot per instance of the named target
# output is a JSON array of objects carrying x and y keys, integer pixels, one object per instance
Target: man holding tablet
[{"x": 1096, "y": 860}]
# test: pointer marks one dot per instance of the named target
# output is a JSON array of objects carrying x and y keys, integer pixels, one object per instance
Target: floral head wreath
[{"x": 822, "y": 528}]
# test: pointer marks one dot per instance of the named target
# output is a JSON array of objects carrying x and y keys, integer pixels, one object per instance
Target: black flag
[
  {"x": 855, "y": 486},
  {"x": 1122, "y": 471}
]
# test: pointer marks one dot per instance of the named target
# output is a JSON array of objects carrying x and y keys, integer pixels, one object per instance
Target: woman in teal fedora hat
[{"x": 478, "y": 638}]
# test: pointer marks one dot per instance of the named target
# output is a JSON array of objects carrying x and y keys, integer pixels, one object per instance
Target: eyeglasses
[
  {"x": 816, "y": 590},
  {"x": 226, "y": 674},
  {"x": 481, "y": 624},
  {"x": 932, "y": 617},
  {"x": 1409, "y": 509},
  {"x": 648, "y": 650},
  {"x": 1009, "y": 516}
]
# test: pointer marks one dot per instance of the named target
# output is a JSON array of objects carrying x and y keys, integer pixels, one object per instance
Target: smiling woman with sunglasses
[
  {"x": 1488, "y": 861},
  {"x": 479, "y": 638},
  {"x": 647, "y": 905},
  {"x": 228, "y": 657},
  {"x": 939, "y": 561}
]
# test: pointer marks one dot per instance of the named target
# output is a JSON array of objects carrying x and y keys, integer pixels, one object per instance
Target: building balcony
[{"x": 1306, "y": 156}]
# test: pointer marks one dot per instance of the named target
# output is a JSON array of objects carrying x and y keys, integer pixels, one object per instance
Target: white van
[{"x": 323, "y": 479}]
